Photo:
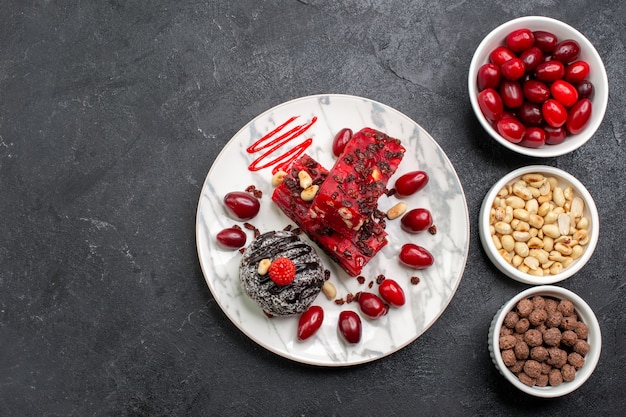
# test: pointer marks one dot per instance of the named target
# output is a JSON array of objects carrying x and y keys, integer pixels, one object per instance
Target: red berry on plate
[
  {"x": 310, "y": 321},
  {"x": 282, "y": 271},
  {"x": 392, "y": 292},
  {"x": 371, "y": 305},
  {"x": 340, "y": 140},
  {"x": 416, "y": 256},
  {"x": 231, "y": 238},
  {"x": 410, "y": 183},
  {"x": 242, "y": 205},
  {"x": 350, "y": 326},
  {"x": 416, "y": 220}
]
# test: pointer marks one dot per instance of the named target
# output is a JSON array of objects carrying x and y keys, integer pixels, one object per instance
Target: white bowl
[
  {"x": 588, "y": 53},
  {"x": 590, "y": 212},
  {"x": 585, "y": 314}
]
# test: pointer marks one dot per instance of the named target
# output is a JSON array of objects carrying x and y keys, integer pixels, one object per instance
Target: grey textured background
[{"x": 111, "y": 114}]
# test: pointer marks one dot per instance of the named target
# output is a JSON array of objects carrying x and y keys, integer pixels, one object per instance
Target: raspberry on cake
[
  {"x": 297, "y": 262},
  {"x": 282, "y": 271},
  {"x": 349, "y": 197},
  {"x": 352, "y": 254}
]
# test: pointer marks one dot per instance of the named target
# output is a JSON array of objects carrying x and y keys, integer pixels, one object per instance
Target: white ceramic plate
[{"x": 443, "y": 195}]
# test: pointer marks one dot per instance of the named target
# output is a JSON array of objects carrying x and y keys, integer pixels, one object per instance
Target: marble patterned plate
[{"x": 325, "y": 115}]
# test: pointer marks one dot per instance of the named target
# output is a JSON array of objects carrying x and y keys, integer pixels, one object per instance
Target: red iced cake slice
[
  {"x": 349, "y": 197},
  {"x": 352, "y": 254}
]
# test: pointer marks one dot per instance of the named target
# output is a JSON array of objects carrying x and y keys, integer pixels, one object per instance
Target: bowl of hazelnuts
[{"x": 545, "y": 341}]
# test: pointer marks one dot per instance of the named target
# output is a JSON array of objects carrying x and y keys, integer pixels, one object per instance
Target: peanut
[
  {"x": 309, "y": 193},
  {"x": 396, "y": 211},
  {"x": 305, "y": 179},
  {"x": 508, "y": 243},
  {"x": 496, "y": 242},
  {"x": 264, "y": 266},
  {"x": 329, "y": 290},
  {"x": 278, "y": 178},
  {"x": 521, "y": 214}
]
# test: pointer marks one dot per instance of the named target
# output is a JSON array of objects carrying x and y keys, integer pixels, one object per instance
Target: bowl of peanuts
[
  {"x": 539, "y": 225},
  {"x": 546, "y": 341}
]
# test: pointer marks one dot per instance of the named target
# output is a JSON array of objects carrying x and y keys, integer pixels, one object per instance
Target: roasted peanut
[
  {"x": 396, "y": 211},
  {"x": 506, "y": 255},
  {"x": 558, "y": 197},
  {"x": 564, "y": 222},
  {"x": 534, "y": 177},
  {"x": 515, "y": 201},
  {"x": 577, "y": 251},
  {"x": 329, "y": 290},
  {"x": 278, "y": 178},
  {"x": 503, "y": 228},
  {"x": 577, "y": 207},
  {"x": 521, "y": 214},
  {"x": 582, "y": 236},
  {"x": 521, "y": 249},
  {"x": 305, "y": 179},
  {"x": 521, "y": 236},
  {"x": 508, "y": 243},
  {"x": 556, "y": 268},
  {"x": 264, "y": 266},
  {"x": 309, "y": 193},
  {"x": 531, "y": 262},
  {"x": 535, "y": 243},
  {"x": 551, "y": 230},
  {"x": 563, "y": 249}
]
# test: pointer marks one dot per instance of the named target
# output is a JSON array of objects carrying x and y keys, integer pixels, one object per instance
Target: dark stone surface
[{"x": 111, "y": 113}]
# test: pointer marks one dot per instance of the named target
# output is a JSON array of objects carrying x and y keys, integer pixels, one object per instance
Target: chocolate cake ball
[{"x": 281, "y": 300}]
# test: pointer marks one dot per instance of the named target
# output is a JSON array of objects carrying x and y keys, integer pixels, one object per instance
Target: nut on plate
[
  {"x": 278, "y": 178},
  {"x": 396, "y": 211},
  {"x": 309, "y": 193},
  {"x": 329, "y": 290},
  {"x": 264, "y": 266}
]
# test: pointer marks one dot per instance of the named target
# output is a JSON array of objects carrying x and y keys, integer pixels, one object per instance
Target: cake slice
[
  {"x": 349, "y": 197},
  {"x": 352, "y": 254}
]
